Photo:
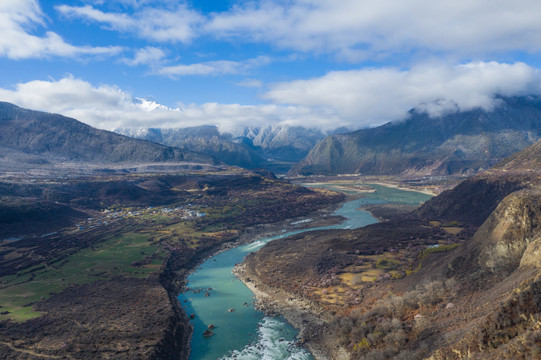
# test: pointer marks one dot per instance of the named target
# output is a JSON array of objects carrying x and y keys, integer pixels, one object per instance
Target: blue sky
[{"x": 232, "y": 63}]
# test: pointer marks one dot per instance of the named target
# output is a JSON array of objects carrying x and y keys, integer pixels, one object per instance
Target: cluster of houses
[{"x": 108, "y": 215}]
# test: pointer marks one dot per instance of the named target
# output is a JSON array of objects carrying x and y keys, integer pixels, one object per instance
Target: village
[{"x": 108, "y": 216}]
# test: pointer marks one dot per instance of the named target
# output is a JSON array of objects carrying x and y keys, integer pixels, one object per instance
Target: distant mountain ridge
[
  {"x": 205, "y": 139},
  {"x": 52, "y": 137},
  {"x": 254, "y": 147},
  {"x": 288, "y": 143},
  {"x": 458, "y": 143}
]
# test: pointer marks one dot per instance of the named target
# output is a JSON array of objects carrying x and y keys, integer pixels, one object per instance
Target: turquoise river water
[{"x": 246, "y": 333}]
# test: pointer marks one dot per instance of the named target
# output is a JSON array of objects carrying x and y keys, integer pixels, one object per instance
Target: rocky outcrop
[
  {"x": 509, "y": 231},
  {"x": 532, "y": 255}
]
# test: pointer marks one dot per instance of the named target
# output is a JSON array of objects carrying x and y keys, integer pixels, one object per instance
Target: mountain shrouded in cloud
[
  {"x": 455, "y": 143},
  {"x": 354, "y": 99},
  {"x": 375, "y": 96}
]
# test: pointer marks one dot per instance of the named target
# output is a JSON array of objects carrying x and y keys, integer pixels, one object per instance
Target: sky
[{"x": 315, "y": 63}]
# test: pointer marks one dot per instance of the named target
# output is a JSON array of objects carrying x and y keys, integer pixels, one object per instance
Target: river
[{"x": 215, "y": 296}]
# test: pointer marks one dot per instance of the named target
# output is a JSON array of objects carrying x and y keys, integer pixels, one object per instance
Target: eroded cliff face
[
  {"x": 532, "y": 255},
  {"x": 499, "y": 272},
  {"x": 509, "y": 231},
  {"x": 121, "y": 318}
]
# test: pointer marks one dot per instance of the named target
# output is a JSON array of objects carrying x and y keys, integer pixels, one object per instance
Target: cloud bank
[
  {"x": 355, "y": 30},
  {"x": 374, "y": 96},
  {"x": 362, "y": 29},
  {"x": 108, "y": 107},
  {"x": 354, "y": 99}
]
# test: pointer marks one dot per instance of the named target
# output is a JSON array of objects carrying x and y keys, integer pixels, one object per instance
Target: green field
[{"x": 119, "y": 256}]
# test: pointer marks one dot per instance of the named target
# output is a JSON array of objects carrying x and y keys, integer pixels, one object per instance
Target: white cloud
[
  {"x": 116, "y": 21},
  {"x": 109, "y": 107},
  {"x": 364, "y": 29},
  {"x": 213, "y": 67},
  {"x": 374, "y": 96},
  {"x": 18, "y": 18},
  {"x": 206, "y": 68},
  {"x": 353, "y": 99},
  {"x": 352, "y": 29},
  {"x": 154, "y": 23},
  {"x": 147, "y": 56}
]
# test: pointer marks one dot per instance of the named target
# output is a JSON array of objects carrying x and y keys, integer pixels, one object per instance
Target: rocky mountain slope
[
  {"x": 253, "y": 147},
  {"x": 282, "y": 142},
  {"x": 527, "y": 160},
  {"x": 458, "y": 278},
  {"x": 40, "y": 137},
  {"x": 457, "y": 143},
  {"x": 204, "y": 139}
]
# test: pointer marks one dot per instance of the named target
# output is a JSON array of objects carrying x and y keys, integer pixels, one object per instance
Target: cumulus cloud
[
  {"x": 364, "y": 29},
  {"x": 374, "y": 96},
  {"x": 109, "y": 107},
  {"x": 154, "y": 23},
  {"x": 18, "y": 18}
]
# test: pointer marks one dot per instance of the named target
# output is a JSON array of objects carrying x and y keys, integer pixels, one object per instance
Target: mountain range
[
  {"x": 205, "y": 139},
  {"x": 276, "y": 147},
  {"x": 457, "y": 143},
  {"x": 459, "y": 277},
  {"x": 41, "y": 137},
  {"x": 283, "y": 142}
]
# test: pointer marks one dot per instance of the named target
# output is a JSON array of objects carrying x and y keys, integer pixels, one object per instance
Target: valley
[
  {"x": 231, "y": 333},
  {"x": 104, "y": 283},
  {"x": 100, "y": 233},
  {"x": 455, "y": 278},
  {"x": 270, "y": 180},
  {"x": 274, "y": 147}
]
